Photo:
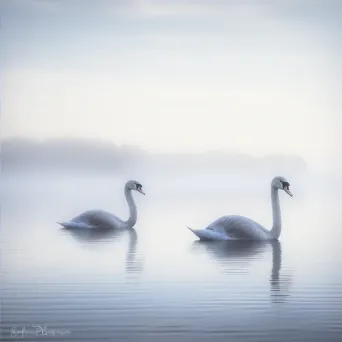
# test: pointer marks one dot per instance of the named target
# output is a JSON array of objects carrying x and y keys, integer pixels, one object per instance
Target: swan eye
[
  {"x": 138, "y": 186},
  {"x": 285, "y": 184}
]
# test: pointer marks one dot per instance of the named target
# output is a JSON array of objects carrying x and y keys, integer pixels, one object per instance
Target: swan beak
[
  {"x": 142, "y": 192},
  {"x": 287, "y": 190}
]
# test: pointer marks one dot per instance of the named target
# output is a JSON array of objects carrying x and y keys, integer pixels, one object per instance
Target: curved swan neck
[
  {"x": 276, "y": 228},
  {"x": 132, "y": 209}
]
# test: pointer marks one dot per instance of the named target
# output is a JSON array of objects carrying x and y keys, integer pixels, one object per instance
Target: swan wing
[
  {"x": 98, "y": 219},
  {"x": 237, "y": 227},
  {"x": 244, "y": 228}
]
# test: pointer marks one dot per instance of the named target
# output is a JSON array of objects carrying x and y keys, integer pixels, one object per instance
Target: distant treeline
[{"x": 81, "y": 155}]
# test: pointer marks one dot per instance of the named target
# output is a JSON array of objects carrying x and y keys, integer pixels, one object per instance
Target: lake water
[{"x": 158, "y": 283}]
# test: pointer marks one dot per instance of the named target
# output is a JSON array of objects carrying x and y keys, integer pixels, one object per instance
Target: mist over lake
[{"x": 158, "y": 281}]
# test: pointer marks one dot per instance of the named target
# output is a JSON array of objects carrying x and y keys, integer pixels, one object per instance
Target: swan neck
[
  {"x": 276, "y": 228},
  {"x": 132, "y": 209}
]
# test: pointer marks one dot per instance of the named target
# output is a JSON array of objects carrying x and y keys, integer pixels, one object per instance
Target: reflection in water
[
  {"x": 96, "y": 238},
  {"x": 134, "y": 262},
  {"x": 238, "y": 254},
  {"x": 93, "y": 237},
  {"x": 280, "y": 284}
]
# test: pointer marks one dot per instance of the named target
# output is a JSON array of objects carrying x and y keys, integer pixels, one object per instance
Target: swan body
[
  {"x": 103, "y": 219},
  {"x": 236, "y": 227}
]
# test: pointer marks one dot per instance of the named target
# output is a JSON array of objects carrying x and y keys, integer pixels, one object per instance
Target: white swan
[
  {"x": 105, "y": 219},
  {"x": 235, "y": 227}
]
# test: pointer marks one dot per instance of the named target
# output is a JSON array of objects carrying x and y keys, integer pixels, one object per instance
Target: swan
[
  {"x": 236, "y": 227},
  {"x": 105, "y": 219}
]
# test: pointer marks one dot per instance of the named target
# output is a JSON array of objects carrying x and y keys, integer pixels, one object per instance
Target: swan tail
[
  {"x": 73, "y": 225},
  {"x": 206, "y": 234},
  {"x": 191, "y": 230},
  {"x": 68, "y": 224}
]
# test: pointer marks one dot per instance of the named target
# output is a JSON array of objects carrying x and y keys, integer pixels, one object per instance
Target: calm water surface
[{"x": 157, "y": 282}]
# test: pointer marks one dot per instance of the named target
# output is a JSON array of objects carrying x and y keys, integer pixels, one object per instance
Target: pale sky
[{"x": 176, "y": 76}]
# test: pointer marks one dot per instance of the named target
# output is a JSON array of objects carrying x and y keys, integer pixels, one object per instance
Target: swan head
[
  {"x": 282, "y": 184},
  {"x": 134, "y": 185}
]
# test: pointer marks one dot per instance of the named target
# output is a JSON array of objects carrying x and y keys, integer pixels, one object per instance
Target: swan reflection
[
  {"x": 96, "y": 238},
  {"x": 237, "y": 255},
  {"x": 134, "y": 262},
  {"x": 91, "y": 238}
]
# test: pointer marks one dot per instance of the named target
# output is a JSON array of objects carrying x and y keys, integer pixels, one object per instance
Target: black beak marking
[{"x": 285, "y": 184}]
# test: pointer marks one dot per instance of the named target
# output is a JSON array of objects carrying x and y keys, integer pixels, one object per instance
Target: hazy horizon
[{"x": 70, "y": 154}]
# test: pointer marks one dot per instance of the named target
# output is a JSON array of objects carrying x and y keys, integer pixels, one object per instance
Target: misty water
[{"x": 158, "y": 282}]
